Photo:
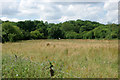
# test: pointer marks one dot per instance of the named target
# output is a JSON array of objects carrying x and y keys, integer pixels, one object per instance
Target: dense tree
[
  {"x": 79, "y": 29},
  {"x": 42, "y": 28},
  {"x": 89, "y": 35},
  {"x": 36, "y": 34},
  {"x": 26, "y": 35},
  {"x": 55, "y": 32},
  {"x": 10, "y": 32},
  {"x": 67, "y": 26},
  {"x": 0, "y": 32},
  {"x": 27, "y": 25},
  {"x": 72, "y": 35}
]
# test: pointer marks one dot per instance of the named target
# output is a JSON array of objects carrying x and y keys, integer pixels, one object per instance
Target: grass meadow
[{"x": 72, "y": 58}]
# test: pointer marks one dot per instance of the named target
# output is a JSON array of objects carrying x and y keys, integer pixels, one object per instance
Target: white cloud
[
  {"x": 59, "y": 12},
  {"x": 10, "y": 19},
  {"x": 82, "y": 11},
  {"x": 63, "y": 18},
  {"x": 111, "y": 5},
  {"x": 111, "y": 15},
  {"x": 64, "y": 0},
  {"x": 10, "y": 7}
]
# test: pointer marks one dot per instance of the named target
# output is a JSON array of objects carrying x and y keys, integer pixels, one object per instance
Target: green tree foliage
[
  {"x": 88, "y": 35},
  {"x": 55, "y": 32},
  {"x": 79, "y": 29},
  {"x": 118, "y": 31},
  {"x": 107, "y": 32},
  {"x": 69, "y": 26},
  {"x": 113, "y": 31},
  {"x": 100, "y": 32},
  {"x": 0, "y": 32},
  {"x": 26, "y": 35},
  {"x": 36, "y": 34},
  {"x": 42, "y": 28},
  {"x": 72, "y": 35},
  {"x": 10, "y": 32},
  {"x": 26, "y": 25}
]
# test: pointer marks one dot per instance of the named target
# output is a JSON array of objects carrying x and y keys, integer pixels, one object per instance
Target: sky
[{"x": 56, "y": 11}]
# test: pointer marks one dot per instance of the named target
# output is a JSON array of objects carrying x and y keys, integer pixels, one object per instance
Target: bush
[
  {"x": 72, "y": 35},
  {"x": 89, "y": 35},
  {"x": 11, "y": 32},
  {"x": 55, "y": 33},
  {"x": 36, "y": 34}
]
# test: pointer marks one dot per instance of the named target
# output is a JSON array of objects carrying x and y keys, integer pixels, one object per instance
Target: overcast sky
[{"x": 102, "y": 11}]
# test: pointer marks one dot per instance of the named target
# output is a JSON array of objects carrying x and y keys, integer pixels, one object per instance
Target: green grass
[
  {"x": 70, "y": 58},
  {"x": 22, "y": 68}
]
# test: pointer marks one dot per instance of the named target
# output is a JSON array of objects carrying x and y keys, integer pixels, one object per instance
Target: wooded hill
[{"x": 73, "y": 29}]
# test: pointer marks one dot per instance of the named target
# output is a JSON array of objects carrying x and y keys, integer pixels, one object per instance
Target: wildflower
[{"x": 16, "y": 74}]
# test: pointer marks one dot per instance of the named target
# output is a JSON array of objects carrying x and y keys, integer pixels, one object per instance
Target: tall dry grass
[{"x": 81, "y": 58}]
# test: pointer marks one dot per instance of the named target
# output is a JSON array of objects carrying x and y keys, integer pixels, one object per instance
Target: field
[{"x": 70, "y": 59}]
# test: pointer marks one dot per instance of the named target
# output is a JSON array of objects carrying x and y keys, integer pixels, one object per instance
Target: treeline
[{"x": 79, "y": 29}]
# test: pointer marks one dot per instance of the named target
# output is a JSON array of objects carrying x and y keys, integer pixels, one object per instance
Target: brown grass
[{"x": 84, "y": 58}]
